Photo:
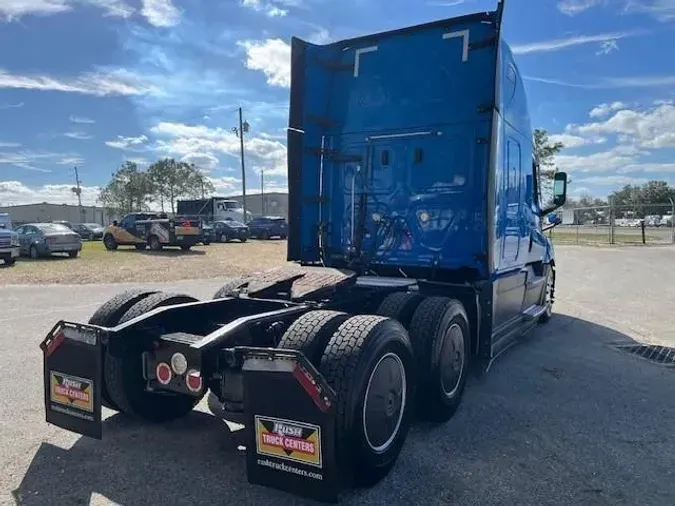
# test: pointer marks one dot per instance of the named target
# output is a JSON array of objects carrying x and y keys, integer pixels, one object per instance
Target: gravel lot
[
  {"x": 127, "y": 265},
  {"x": 562, "y": 418}
]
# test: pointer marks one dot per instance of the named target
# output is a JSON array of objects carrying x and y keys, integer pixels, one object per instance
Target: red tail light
[
  {"x": 193, "y": 380},
  {"x": 163, "y": 373},
  {"x": 186, "y": 223}
]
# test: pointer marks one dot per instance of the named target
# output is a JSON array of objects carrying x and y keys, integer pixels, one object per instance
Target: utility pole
[
  {"x": 78, "y": 191},
  {"x": 262, "y": 191},
  {"x": 239, "y": 132}
]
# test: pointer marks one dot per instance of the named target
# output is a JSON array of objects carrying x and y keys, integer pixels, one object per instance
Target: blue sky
[{"x": 95, "y": 82}]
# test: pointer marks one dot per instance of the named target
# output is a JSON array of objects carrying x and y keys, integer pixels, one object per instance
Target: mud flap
[
  {"x": 290, "y": 421},
  {"x": 73, "y": 377}
]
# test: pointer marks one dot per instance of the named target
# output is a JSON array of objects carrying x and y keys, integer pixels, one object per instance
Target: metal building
[{"x": 31, "y": 213}]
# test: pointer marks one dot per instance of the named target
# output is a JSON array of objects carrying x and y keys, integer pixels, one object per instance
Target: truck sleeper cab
[{"x": 415, "y": 232}]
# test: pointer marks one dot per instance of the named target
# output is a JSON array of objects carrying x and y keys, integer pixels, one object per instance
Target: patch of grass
[
  {"x": 586, "y": 237},
  {"x": 126, "y": 265}
]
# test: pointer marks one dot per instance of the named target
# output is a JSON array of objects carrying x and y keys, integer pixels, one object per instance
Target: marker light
[
  {"x": 193, "y": 380},
  {"x": 163, "y": 373},
  {"x": 179, "y": 363}
]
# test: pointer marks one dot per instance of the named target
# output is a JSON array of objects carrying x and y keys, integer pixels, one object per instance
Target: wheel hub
[
  {"x": 384, "y": 402},
  {"x": 451, "y": 360}
]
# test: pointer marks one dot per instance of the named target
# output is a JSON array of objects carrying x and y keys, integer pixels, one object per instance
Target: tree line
[
  {"x": 162, "y": 183},
  {"x": 165, "y": 181}
]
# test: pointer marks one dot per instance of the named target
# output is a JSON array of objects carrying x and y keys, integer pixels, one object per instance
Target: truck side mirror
[{"x": 559, "y": 188}]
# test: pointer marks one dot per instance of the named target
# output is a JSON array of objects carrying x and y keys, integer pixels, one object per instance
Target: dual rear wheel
[{"x": 383, "y": 374}]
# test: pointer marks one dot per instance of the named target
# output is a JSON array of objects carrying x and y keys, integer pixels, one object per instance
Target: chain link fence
[{"x": 610, "y": 224}]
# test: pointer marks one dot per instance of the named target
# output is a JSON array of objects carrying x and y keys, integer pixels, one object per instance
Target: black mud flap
[
  {"x": 290, "y": 422},
  {"x": 73, "y": 378}
]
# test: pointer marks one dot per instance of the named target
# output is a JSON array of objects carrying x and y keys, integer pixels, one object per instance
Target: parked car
[
  {"x": 268, "y": 226},
  {"x": 43, "y": 239},
  {"x": 9, "y": 240},
  {"x": 64, "y": 223},
  {"x": 206, "y": 236},
  {"x": 226, "y": 230},
  {"x": 89, "y": 231}
]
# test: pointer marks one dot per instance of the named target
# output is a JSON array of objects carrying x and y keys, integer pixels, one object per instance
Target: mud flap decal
[
  {"x": 290, "y": 420},
  {"x": 73, "y": 377}
]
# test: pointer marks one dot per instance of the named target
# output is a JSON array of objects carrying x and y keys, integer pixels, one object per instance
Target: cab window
[{"x": 128, "y": 221}]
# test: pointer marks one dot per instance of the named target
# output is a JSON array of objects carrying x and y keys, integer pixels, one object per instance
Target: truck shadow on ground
[{"x": 534, "y": 429}]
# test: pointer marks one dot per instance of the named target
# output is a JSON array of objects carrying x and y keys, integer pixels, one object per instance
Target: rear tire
[
  {"x": 185, "y": 248},
  {"x": 10, "y": 261},
  {"x": 265, "y": 235},
  {"x": 227, "y": 289},
  {"x": 108, "y": 315},
  {"x": 109, "y": 242},
  {"x": 310, "y": 333},
  {"x": 140, "y": 247},
  {"x": 124, "y": 375},
  {"x": 400, "y": 306},
  {"x": 73, "y": 254},
  {"x": 373, "y": 416},
  {"x": 243, "y": 239},
  {"x": 33, "y": 252},
  {"x": 440, "y": 336}
]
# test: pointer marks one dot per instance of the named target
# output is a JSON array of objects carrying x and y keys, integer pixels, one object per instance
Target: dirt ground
[{"x": 126, "y": 265}]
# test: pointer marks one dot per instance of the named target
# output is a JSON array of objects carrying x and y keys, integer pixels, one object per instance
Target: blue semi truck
[{"x": 418, "y": 256}]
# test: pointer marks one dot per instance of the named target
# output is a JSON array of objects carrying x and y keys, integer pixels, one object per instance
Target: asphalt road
[{"x": 561, "y": 418}]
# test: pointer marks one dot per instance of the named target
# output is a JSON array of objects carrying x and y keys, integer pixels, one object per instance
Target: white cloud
[
  {"x": 611, "y": 82},
  {"x": 225, "y": 184},
  {"x": 648, "y": 129},
  {"x": 181, "y": 139},
  {"x": 9, "y": 144},
  {"x": 574, "y": 7},
  {"x": 272, "y": 57},
  {"x": 604, "y": 161},
  {"x": 16, "y": 192},
  {"x": 564, "y": 43},
  {"x": 608, "y": 46},
  {"x": 138, "y": 160},
  {"x": 129, "y": 143},
  {"x": 662, "y": 10},
  {"x": 446, "y": 3},
  {"x": 81, "y": 120},
  {"x": 204, "y": 161},
  {"x": 71, "y": 160},
  {"x": 574, "y": 141},
  {"x": 100, "y": 83},
  {"x": 611, "y": 180},
  {"x": 160, "y": 13},
  {"x": 82, "y": 136},
  {"x": 603, "y": 110},
  {"x": 268, "y": 8},
  {"x": 14, "y": 9},
  {"x": 11, "y": 106}
]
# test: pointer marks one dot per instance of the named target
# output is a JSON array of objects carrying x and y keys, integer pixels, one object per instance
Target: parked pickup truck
[{"x": 9, "y": 240}]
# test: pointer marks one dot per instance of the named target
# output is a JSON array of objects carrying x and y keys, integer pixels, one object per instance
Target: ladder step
[{"x": 534, "y": 312}]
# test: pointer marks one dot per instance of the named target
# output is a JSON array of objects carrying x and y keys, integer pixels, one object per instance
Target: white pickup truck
[{"x": 9, "y": 240}]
